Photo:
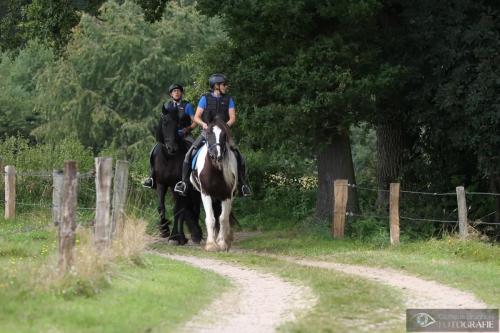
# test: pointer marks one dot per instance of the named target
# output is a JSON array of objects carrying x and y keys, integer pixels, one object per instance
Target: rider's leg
[
  {"x": 182, "y": 186},
  {"x": 149, "y": 183},
  {"x": 243, "y": 187}
]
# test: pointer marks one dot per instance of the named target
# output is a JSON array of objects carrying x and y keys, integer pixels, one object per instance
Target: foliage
[
  {"x": 50, "y": 21},
  {"x": 10, "y": 15},
  {"x": 108, "y": 87},
  {"x": 294, "y": 72},
  {"x": 17, "y": 88},
  {"x": 462, "y": 116},
  {"x": 34, "y": 165}
]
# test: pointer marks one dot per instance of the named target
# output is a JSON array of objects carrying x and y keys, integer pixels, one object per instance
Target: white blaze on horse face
[{"x": 217, "y": 132}]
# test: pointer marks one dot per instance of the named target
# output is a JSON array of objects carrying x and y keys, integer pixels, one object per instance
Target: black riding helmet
[
  {"x": 175, "y": 86},
  {"x": 216, "y": 79}
]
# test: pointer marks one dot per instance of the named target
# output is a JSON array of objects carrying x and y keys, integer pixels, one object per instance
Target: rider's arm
[
  {"x": 190, "y": 112},
  {"x": 232, "y": 113},
  {"x": 197, "y": 118},
  {"x": 232, "y": 117}
]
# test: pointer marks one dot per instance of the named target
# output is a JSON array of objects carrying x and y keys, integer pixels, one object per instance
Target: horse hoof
[
  {"x": 223, "y": 246},
  {"x": 183, "y": 241},
  {"x": 211, "y": 247}
]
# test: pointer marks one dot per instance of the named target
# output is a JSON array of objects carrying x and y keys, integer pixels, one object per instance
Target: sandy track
[
  {"x": 260, "y": 302},
  {"x": 419, "y": 293}
]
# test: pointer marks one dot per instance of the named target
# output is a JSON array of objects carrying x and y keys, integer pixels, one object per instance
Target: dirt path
[
  {"x": 419, "y": 293},
  {"x": 259, "y": 303}
]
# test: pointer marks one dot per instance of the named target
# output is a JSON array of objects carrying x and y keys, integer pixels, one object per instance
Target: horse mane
[{"x": 224, "y": 127}]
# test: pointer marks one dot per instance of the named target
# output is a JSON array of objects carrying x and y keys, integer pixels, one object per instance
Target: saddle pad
[{"x": 195, "y": 158}]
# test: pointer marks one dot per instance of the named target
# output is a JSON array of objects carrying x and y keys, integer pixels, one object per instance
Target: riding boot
[
  {"x": 149, "y": 183},
  {"x": 182, "y": 186},
  {"x": 243, "y": 187}
]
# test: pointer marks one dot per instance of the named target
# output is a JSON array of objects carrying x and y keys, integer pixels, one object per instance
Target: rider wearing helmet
[
  {"x": 213, "y": 105},
  {"x": 186, "y": 123}
]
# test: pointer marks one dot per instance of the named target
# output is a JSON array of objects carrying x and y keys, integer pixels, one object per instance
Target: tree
[
  {"x": 17, "y": 88},
  {"x": 303, "y": 74},
  {"x": 108, "y": 87}
]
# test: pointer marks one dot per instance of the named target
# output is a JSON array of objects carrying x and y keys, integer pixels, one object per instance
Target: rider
[
  {"x": 186, "y": 123},
  {"x": 211, "y": 105}
]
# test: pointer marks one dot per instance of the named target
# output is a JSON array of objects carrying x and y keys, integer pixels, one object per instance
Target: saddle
[{"x": 194, "y": 159}]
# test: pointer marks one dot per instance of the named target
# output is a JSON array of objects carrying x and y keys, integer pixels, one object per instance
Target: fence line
[
  {"x": 45, "y": 174},
  {"x": 420, "y": 192},
  {"x": 387, "y": 217}
]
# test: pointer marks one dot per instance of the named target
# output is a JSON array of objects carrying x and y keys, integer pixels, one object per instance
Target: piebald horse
[{"x": 215, "y": 176}]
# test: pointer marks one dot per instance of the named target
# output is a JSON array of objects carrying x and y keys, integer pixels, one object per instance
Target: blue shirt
[
  {"x": 203, "y": 102},
  {"x": 188, "y": 109}
]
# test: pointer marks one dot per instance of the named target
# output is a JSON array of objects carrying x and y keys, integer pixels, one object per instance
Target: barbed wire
[
  {"x": 490, "y": 223},
  {"x": 45, "y": 174},
  {"x": 366, "y": 188},
  {"x": 426, "y": 220},
  {"x": 368, "y": 216},
  {"x": 483, "y": 193},
  {"x": 420, "y": 192}
]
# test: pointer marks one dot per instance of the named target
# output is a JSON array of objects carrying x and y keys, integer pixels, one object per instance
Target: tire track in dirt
[
  {"x": 260, "y": 302},
  {"x": 418, "y": 292}
]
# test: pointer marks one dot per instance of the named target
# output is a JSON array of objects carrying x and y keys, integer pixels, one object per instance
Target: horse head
[
  {"x": 218, "y": 138},
  {"x": 170, "y": 137}
]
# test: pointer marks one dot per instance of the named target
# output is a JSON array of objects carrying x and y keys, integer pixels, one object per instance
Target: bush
[{"x": 34, "y": 165}]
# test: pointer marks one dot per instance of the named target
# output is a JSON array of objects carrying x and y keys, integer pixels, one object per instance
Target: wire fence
[
  {"x": 32, "y": 194},
  {"x": 136, "y": 201},
  {"x": 450, "y": 196}
]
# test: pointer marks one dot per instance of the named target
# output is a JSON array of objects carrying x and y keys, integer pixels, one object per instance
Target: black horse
[{"x": 168, "y": 156}]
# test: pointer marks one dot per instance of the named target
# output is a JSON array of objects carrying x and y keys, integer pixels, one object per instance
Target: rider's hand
[{"x": 205, "y": 126}]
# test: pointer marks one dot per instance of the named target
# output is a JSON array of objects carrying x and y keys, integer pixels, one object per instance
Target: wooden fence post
[
  {"x": 67, "y": 226},
  {"x": 340, "y": 191},
  {"x": 57, "y": 191},
  {"x": 394, "y": 213},
  {"x": 120, "y": 184},
  {"x": 462, "y": 212},
  {"x": 10, "y": 191},
  {"x": 102, "y": 230}
]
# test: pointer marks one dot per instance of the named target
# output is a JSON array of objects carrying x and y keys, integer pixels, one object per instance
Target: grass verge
[{"x": 124, "y": 292}]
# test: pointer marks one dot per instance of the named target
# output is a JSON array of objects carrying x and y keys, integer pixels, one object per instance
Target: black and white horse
[{"x": 215, "y": 176}]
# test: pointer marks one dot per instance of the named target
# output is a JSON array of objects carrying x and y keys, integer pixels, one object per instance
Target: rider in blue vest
[
  {"x": 186, "y": 123},
  {"x": 215, "y": 104}
]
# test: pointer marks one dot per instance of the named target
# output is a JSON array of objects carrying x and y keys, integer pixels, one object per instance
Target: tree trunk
[
  {"x": 389, "y": 160},
  {"x": 335, "y": 162}
]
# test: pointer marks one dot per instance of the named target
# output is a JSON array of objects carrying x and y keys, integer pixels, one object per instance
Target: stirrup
[
  {"x": 245, "y": 191},
  {"x": 181, "y": 188},
  {"x": 148, "y": 183}
]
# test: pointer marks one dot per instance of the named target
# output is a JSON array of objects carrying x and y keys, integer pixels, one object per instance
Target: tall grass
[{"x": 93, "y": 268}]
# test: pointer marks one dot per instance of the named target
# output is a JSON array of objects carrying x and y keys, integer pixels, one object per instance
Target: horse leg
[
  {"x": 210, "y": 223},
  {"x": 225, "y": 232},
  {"x": 174, "y": 235},
  {"x": 180, "y": 216},
  {"x": 192, "y": 217},
  {"x": 164, "y": 230}
]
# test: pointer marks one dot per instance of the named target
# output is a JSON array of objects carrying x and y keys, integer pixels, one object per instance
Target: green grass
[
  {"x": 345, "y": 303},
  {"x": 467, "y": 265},
  {"x": 156, "y": 296}
]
